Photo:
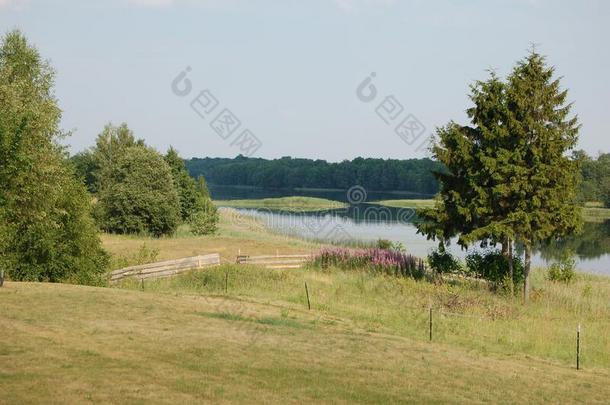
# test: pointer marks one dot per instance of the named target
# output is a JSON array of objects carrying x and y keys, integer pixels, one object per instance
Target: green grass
[
  {"x": 284, "y": 203},
  {"x": 407, "y": 203},
  {"x": 592, "y": 214},
  {"x": 107, "y": 345},
  {"x": 237, "y": 234},
  {"x": 592, "y": 211},
  {"x": 365, "y": 340},
  {"x": 466, "y": 314}
]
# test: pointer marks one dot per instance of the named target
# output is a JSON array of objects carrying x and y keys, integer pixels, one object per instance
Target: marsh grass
[{"x": 296, "y": 203}]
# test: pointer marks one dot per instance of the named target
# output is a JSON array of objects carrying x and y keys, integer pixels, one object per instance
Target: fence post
[
  {"x": 1, "y": 278},
  {"x": 430, "y": 322},
  {"x": 226, "y": 281},
  {"x": 142, "y": 280},
  {"x": 307, "y": 293},
  {"x": 578, "y": 348}
]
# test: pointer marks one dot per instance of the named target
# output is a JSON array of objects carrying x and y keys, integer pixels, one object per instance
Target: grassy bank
[
  {"x": 592, "y": 212},
  {"x": 407, "y": 203},
  {"x": 77, "y": 344},
  {"x": 236, "y": 233},
  {"x": 284, "y": 203},
  {"x": 466, "y": 314}
]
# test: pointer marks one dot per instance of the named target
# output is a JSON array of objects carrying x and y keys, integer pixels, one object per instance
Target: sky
[{"x": 323, "y": 79}]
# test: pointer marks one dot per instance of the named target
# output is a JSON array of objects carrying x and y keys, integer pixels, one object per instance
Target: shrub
[
  {"x": 493, "y": 267},
  {"x": 443, "y": 262},
  {"x": 388, "y": 261},
  {"x": 139, "y": 196},
  {"x": 389, "y": 245},
  {"x": 563, "y": 271},
  {"x": 205, "y": 222}
]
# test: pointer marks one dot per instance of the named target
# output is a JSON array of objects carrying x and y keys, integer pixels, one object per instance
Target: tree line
[
  {"x": 138, "y": 190},
  {"x": 594, "y": 178},
  {"x": 412, "y": 175},
  {"x": 53, "y": 206}
]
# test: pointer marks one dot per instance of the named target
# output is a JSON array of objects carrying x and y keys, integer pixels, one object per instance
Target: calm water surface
[{"x": 369, "y": 222}]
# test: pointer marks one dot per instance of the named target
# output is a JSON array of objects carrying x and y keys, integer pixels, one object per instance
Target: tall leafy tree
[
  {"x": 46, "y": 230},
  {"x": 139, "y": 195},
  {"x": 195, "y": 207}
]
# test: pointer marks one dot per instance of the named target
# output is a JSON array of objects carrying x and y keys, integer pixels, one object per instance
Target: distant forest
[{"x": 412, "y": 175}]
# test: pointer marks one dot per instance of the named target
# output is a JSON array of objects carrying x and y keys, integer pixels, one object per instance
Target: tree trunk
[
  {"x": 511, "y": 272},
  {"x": 526, "y": 272},
  {"x": 505, "y": 248}
]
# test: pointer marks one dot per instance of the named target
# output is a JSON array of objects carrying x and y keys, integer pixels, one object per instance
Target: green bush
[
  {"x": 138, "y": 195},
  {"x": 443, "y": 262},
  {"x": 563, "y": 271},
  {"x": 205, "y": 221},
  {"x": 389, "y": 245},
  {"x": 493, "y": 267}
]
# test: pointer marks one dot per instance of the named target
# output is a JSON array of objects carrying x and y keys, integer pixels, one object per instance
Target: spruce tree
[
  {"x": 543, "y": 174},
  {"x": 509, "y": 175}
]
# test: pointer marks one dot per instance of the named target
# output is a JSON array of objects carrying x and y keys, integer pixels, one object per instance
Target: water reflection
[{"x": 369, "y": 222}]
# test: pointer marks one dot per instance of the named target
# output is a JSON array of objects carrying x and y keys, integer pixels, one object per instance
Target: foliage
[
  {"x": 196, "y": 207},
  {"x": 46, "y": 229},
  {"x": 205, "y": 221},
  {"x": 413, "y": 175},
  {"x": 139, "y": 196},
  {"x": 386, "y": 261},
  {"x": 493, "y": 267},
  {"x": 509, "y": 176},
  {"x": 594, "y": 177},
  {"x": 388, "y": 244},
  {"x": 143, "y": 255},
  {"x": 443, "y": 262},
  {"x": 563, "y": 270},
  {"x": 202, "y": 186}
]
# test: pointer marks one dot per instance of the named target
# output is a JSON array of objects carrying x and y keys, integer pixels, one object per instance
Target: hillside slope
[{"x": 73, "y": 343}]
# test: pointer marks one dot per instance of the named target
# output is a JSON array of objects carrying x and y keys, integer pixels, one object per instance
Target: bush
[
  {"x": 563, "y": 271},
  {"x": 389, "y": 245},
  {"x": 205, "y": 222},
  {"x": 443, "y": 262},
  {"x": 493, "y": 267},
  {"x": 139, "y": 196}
]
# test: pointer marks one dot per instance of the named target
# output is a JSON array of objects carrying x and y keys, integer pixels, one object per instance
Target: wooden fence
[
  {"x": 275, "y": 261},
  {"x": 166, "y": 268}
]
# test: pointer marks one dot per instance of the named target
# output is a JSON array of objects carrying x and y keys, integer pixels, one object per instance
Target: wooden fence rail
[
  {"x": 275, "y": 261},
  {"x": 165, "y": 269}
]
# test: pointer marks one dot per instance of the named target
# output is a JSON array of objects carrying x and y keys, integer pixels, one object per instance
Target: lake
[{"x": 369, "y": 222}]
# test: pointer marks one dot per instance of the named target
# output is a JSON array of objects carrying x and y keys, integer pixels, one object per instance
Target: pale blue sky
[{"x": 289, "y": 69}]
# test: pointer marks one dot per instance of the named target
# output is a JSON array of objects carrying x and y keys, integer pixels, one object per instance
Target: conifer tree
[
  {"x": 509, "y": 175},
  {"x": 543, "y": 174}
]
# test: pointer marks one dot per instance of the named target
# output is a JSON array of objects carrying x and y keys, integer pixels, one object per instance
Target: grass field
[
  {"x": 236, "y": 234},
  {"x": 74, "y": 344},
  {"x": 284, "y": 203},
  {"x": 365, "y": 340}
]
